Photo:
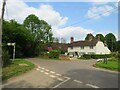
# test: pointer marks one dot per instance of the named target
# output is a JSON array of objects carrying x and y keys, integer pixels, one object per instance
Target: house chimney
[
  {"x": 98, "y": 38},
  {"x": 72, "y": 39}
]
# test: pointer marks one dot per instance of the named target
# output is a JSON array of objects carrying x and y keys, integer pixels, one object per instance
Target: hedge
[
  {"x": 54, "y": 54},
  {"x": 5, "y": 58},
  {"x": 96, "y": 56}
]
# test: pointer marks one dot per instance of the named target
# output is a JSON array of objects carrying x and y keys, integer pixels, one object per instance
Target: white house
[{"x": 91, "y": 46}]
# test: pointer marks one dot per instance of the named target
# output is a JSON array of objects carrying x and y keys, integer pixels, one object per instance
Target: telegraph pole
[
  {"x": 1, "y": 23},
  {"x": 3, "y": 8}
]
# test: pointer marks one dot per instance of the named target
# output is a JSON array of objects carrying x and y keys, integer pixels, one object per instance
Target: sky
[{"x": 68, "y": 19}]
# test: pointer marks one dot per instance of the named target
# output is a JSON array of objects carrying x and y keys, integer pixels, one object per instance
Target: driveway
[{"x": 65, "y": 74}]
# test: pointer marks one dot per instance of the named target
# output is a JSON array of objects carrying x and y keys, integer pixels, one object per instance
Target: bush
[
  {"x": 87, "y": 56},
  {"x": 54, "y": 54},
  {"x": 96, "y": 56},
  {"x": 43, "y": 53},
  {"x": 5, "y": 58}
]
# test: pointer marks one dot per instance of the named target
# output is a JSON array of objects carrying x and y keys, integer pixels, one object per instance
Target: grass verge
[
  {"x": 15, "y": 69},
  {"x": 112, "y": 64}
]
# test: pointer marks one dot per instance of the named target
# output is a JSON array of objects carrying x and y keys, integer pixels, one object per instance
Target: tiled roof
[
  {"x": 84, "y": 43},
  {"x": 60, "y": 46}
]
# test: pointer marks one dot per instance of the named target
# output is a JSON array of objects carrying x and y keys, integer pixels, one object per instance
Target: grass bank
[
  {"x": 17, "y": 67},
  {"x": 112, "y": 64}
]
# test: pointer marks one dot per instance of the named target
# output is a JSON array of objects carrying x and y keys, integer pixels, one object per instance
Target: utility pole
[
  {"x": 3, "y": 8},
  {"x": 1, "y": 23}
]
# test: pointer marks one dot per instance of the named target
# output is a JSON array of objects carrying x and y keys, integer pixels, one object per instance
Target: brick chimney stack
[{"x": 72, "y": 39}]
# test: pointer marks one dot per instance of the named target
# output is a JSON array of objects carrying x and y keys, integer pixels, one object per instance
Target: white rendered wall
[
  {"x": 98, "y": 49},
  {"x": 101, "y": 49},
  {"x": 78, "y": 49}
]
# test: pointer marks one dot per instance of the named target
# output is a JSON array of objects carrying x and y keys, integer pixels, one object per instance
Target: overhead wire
[{"x": 101, "y": 14}]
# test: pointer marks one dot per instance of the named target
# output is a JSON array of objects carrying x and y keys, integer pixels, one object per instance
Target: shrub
[
  {"x": 96, "y": 56},
  {"x": 87, "y": 56},
  {"x": 5, "y": 58},
  {"x": 54, "y": 54},
  {"x": 43, "y": 53}
]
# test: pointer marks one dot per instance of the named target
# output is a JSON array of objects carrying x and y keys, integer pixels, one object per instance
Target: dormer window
[{"x": 91, "y": 47}]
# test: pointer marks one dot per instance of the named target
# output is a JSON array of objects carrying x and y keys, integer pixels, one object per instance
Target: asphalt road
[{"x": 65, "y": 74}]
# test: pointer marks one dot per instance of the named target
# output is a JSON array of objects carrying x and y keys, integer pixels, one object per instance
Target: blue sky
[
  {"x": 90, "y": 17},
  {"x": 76, "y": 13}
]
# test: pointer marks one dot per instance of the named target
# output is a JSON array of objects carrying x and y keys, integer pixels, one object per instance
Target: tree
[
  {"x": 46, "y": 31},
  {"x": 89, "y": 37},
  {"x": 56, "y": 39},
  {"x": 32, "y": 23},
  {"x": 15, "y": 32},
  {"x": 102, "y": 38},
  {"x": 41, "y": 31},
  {"x": 111, "y": 41},
  {"x": 117, "y": 46},
  {"x": 63, "y": 40}
]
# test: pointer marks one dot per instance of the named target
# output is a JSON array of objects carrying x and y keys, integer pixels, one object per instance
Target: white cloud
[
  {"x": 19, "y": 10},
  {"x": 104, "y": 1},
  {"x": 97, "y": 12},
  {"x": 78, "y": 33}
]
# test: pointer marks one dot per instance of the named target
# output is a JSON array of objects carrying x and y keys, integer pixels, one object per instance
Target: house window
[
  {"x": 82, "y": 47},
  {"x": 91, "y": 52},
  {"x": 71, "y": 47},
  {"x": 91, "y": 47},
  {"x": 81, "y": 53}
]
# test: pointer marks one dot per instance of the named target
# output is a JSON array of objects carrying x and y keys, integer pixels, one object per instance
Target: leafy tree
[
  {"x": 15, "y": 32},
  {"x": 56, "y": 39},
  {"x": 117, "y": 46},
  {"x": 89, "y": 37},
  {"x": 102, "y": 38},
  {"x": 41, "y": 29},
  {"x": 41, "y": 32},
  {"x": 32, "y": 23},
  {"x": 63, "y": 40},
  {"x": 111, "y": 41},
  {"x": 30, "y": 37}
]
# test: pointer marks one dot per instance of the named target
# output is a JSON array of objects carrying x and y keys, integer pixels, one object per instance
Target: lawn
[
  {"x": 15, "y": 69},
  {"x": 112, "y": 64}
]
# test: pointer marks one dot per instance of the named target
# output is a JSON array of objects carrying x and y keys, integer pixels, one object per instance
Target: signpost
[{"x": 12, "y": 44}]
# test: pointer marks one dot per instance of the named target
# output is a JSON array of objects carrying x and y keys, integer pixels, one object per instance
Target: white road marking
[
  {"x": 37, "y": 69},
  {"x": 67, "y": 77},
  {"x": 46, "y": 73},
  {"x": 52, "y": 76},
  {"x": 58, "y": 74},
  {"x": 52, "y": 72},
  {"x": 47, "y": 70},
  {"x": 60, "y": 83},
  {"x": 41, "y": 71},
  {"x": 77, "y": 81},
  {"x": 93, "y": 86},
  {"x": 42, "y": 68},
  {"x": 60, "y": 79}
]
